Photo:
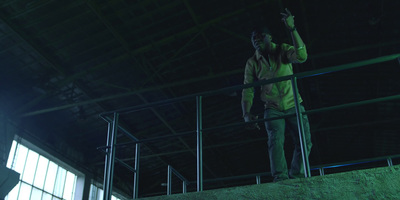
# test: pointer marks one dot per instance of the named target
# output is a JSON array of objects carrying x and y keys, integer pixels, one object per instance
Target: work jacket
[{"x": 277, "y": 63}]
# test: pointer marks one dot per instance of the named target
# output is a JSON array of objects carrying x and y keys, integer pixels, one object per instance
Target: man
[{"x": 270, "y": 61}]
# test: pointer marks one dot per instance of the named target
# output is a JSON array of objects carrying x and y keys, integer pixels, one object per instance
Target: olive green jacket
[{"x": 278, "y": 63}]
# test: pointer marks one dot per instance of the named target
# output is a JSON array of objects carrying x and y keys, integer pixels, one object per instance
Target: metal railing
[
  {"x": 171, "y": 171},
  {"x": 320, "y": 168},
  {"x": 114, "y": 126}
]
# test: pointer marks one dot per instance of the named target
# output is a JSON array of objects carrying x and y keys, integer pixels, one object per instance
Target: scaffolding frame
[{"x": 171, "y": 171}]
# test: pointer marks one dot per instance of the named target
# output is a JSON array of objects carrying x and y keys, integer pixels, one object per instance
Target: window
[
  {"x": 40, "y": 178},
  {"x": 97, "y": 193}
]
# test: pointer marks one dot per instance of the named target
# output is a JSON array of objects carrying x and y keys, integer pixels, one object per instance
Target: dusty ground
[{"x": 376, "y": 183}]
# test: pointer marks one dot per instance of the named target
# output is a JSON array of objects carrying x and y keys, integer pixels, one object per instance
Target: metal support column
[
  {"x": 184, "y": 185},
  {"x": 321, "y": 171},
  {"x": 390, "y": 162},
  {"x": 105, "y": 183},
  {"x": 199, "y": 144},
  {"x": 110, "y": 157},
  {"x": 304, "y": 153},
  {"x": 136, "y": 173},
  {"x": 169, "y": 180},
  {"x": 258, "y": 180}
]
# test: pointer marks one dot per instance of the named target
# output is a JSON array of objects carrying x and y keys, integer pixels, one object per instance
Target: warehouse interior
[{"x": 65, "y": 63}]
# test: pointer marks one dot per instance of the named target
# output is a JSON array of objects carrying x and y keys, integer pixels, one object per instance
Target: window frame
[{"x": 77, "y": 191}]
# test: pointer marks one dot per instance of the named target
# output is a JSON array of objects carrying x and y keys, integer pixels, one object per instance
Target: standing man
[{"x": 269, "y": 61}]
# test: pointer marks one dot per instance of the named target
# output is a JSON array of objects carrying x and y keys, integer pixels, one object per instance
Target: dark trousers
[{"x": 276, "y": 139}]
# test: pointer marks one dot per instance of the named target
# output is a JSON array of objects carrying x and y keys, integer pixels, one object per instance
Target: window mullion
[
  {"x": 36, "y": 168},
  {"x": 23, "y": 171},
  {"x": 55, "y": 182},
  {"x": 45, "y": 177},
  {"x": 63, "y": 188}
]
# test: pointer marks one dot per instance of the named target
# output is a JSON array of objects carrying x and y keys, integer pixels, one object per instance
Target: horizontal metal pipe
[
  {"x": 354, "y": 162},
  {"x": 244, "y": 123},
  {"x": 317, "y": 167},
  {"x": 193, "y": 149},
  {"x": 308, "y": 112},
  {"x": 236, "y": 177},
  {"x": 353, "y": 104},
  {"x": 352, "y": 125},
  {"x": 259, "y": 83},
  {"x": 118, "y": 160},
  {"x": 159, "y": 138}
]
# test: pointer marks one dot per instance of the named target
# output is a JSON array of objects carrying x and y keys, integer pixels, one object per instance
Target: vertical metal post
[
  {"x": 389, "y": 161},
  {"x": 304, "y": 153},
  {"x": 258, "y": 180},
  {"x": 169, "y": 180},
  {"x": 184, "y": 187},
  {"x": 136, "y": 173},
  {"x": 105, "y": 183},
  {"x": 199, "y": 144},
  {"x": 110, "y": 159},
  {"x": 321, "y": 171}
]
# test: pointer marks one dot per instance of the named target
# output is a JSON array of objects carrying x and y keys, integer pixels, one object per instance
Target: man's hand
[
  {"x": 248, "y": 117},
  {"x": 288, "y": 19}
]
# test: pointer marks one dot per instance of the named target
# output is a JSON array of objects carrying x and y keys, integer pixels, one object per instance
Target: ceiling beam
[
  {"x": 172, "y": 58},
  {"x": 166, "y": 40},
  {"x": 17, "y": 32},
  {"x": 95, "y": 100}
]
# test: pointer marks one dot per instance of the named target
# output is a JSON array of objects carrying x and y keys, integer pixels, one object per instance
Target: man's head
[{"x": 261, "y": 39}]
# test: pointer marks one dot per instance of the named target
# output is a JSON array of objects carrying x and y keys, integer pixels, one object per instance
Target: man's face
[{"x": 261, "y": 41}]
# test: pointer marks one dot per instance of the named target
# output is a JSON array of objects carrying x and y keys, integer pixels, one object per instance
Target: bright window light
[
  {"x": 41, "y": 172},
  {"x": 69, "y": 186},
  {"x": 46, "y": 196},
  {"x": 60, "y": 181},
  {"x": 11, "y": 157},
  {"x": 51, "y": 177},
  {"x": 36, "y": 193},
  {"x": 24, "y": 191},
  {"x": 20, "y": 155},
  {"x": 97, "y": 193},
  {"x": 40, "y": 178},
  {"x": 30, "y": 167}
]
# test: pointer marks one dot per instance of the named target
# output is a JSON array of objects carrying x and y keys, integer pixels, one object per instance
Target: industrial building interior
[{"x": 64, "y": 63}]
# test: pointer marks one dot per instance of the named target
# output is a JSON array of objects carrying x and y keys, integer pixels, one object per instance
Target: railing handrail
[
  {"x": 180, "y": 176},
  {"x": 258, "y": 83},
  {"x": 325, "y": 166},
  {"x": 171, "y": 171},
  {"x": 191, "y": 132},
  {"x": 355, "y": 162}
]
